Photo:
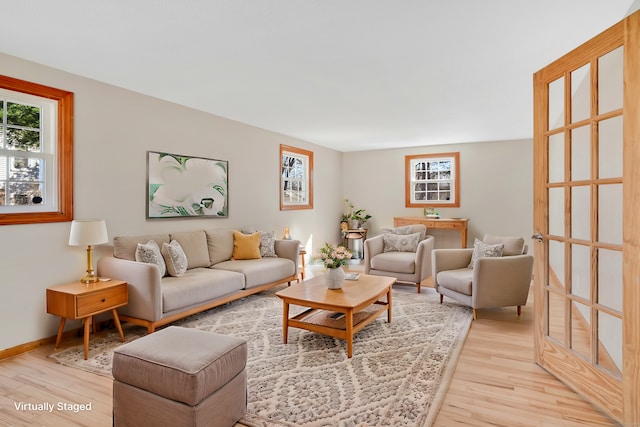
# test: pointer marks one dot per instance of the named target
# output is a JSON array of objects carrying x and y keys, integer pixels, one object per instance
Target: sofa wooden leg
[
  {"x": 475, "y": 314},
  {"x": 441, "y": 298},
  {"x": 418, "y": 286},
  {"x": 519, "y": 311}
]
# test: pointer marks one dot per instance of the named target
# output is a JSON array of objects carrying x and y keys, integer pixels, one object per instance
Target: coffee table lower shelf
[{"x": 319, "y": 321}]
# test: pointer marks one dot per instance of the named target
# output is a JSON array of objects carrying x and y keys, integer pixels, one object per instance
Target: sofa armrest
[
  {"x": 502, "y": 281},
  {"x": 145, "y": 288},
  {"x": 289, "y": 249},
  {"x": 423, "y": 257},
  {"x": 372, "y": 247},
  {"x": 449, "y": 259}
]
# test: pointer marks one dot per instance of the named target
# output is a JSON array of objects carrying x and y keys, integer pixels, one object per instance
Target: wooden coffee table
[{"x": 359, "y": 299}]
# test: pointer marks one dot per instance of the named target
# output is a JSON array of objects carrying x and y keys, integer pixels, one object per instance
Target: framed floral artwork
[
  {"x": 181, "y": 186},
  {"x": 296, "y": 178}
]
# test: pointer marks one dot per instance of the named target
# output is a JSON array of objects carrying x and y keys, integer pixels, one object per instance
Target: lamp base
[{"x": 89, "y": 278}]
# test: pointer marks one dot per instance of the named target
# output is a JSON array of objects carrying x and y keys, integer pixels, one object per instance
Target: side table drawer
[{"x": 101, "y": 301}]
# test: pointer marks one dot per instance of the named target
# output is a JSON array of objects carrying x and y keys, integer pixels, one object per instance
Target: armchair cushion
[
  {"x": 397, "y": 262},
  {"x": 482, "y": 249},
  {"x": 401, "y": 242},
  {"x": 457, "y": 280}
]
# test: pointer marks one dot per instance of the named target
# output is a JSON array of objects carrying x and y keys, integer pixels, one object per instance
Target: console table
[{"x": 447, "y": 223}]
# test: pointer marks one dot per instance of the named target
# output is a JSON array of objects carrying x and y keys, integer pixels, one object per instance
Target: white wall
[
  {"x": 496, "y": 188},
  {"x": 113, "y": 130}
]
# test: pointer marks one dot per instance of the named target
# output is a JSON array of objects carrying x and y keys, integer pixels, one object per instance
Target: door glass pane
[
  {"x": 556, "y": 317},
  {"x": 581, "y": 271},
  {"x": 556, "y": 103},
  {"x": 556, "y": 158},
  {"x": 580, "y": 212},
  {"x": 556, "y": 264},
  {"x": 581, "y": 330},
  {"x": 580, "y": 94},
  {"x": 556, "y": 211},
  {"x": 610, "y": 213},
  {"x": 610, "y": 343},
  {"x": 580, "y": 153},
  {"x": 610, "y": 148},
  {"x": 610, "y": 279},
  {"x": 610, "y": 81}
]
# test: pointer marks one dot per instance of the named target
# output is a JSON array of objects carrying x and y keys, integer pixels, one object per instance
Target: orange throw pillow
[{"x": 246, "y": 246}]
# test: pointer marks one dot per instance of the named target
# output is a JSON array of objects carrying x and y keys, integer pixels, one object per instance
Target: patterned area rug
[{"x": 398, "y": 375}]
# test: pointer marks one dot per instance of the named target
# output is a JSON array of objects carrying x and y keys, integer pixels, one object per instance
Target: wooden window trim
[
  {"x": 407, "y": 176},
  {"x": 309, "y": 205},
  {"x": 64, "y": 99}
]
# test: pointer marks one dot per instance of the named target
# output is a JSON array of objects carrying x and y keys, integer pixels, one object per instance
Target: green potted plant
[{"x": 355, "y": 217}]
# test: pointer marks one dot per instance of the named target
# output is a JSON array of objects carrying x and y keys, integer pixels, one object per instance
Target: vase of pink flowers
[{"x": 333, "y": 258}]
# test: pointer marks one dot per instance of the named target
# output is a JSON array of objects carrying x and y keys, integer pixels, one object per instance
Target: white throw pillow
[
  {"x": 175, "y": 258},
  {"x": 268, "y": 244},
  {"x": 150, "y": 253},
  {"x": 401, "y": 242},
  {"x": 481, "y": 249}
]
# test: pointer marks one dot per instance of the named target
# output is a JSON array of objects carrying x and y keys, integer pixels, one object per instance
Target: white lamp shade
[{"x": 88, "y": 232}]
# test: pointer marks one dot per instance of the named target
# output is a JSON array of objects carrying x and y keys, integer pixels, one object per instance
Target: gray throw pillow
[
  {"x": 268, "y": 244},
  {"x": 481, "y": 249},
  {"x": 401, "y": 242},
  {"x": 175, "y": 258},
  {"x": 150, "y": 253}
]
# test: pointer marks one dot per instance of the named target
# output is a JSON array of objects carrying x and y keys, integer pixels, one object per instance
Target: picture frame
[
  {"x": 181, "y": 186},
  {"x": 296, "y": 178}
]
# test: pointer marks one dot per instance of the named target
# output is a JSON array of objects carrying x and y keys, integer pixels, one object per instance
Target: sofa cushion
[
  {"x": 481, "y": 249},
  {"x": 397, "y": 262},
  {"x": 267, "y": 244},
  {"x": 457, "y": 280},
  {"x": 220, "y": 244},
  {"x": 401, "y": 242},
  {"x": 260, "y": 271},
  {"x": 194, "y": 245},
  {"x": 150, "y": 253},
  {"x": 246, "y": 246},
  {"x": 175, "y": 258},
  {"x": 512, "y": 245},
  {"x": 124, "y": 247},
  {"x": 197, "y": 286}
]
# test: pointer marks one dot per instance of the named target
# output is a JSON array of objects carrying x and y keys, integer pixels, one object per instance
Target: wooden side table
[{"x": 82, "y": 301}]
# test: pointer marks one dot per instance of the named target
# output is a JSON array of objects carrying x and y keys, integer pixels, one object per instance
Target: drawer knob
[{"x": 103, "y": 299}]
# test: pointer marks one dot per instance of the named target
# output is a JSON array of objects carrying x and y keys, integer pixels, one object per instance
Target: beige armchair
[
  {"x": 402, "y": 252},
  {"x": 491, "y": 281}
]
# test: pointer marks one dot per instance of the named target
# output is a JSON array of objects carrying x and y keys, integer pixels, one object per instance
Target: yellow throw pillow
[{"x": 246, "y": 246}]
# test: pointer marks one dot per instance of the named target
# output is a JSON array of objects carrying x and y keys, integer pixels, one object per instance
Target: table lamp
[{"x": 88, "y": 233}]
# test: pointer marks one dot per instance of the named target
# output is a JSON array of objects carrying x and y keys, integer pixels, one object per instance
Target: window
[
  {"x": 432, "y": 180},
  {"x": 36, "y": 153},
  {"x": 296, "y": 178}
]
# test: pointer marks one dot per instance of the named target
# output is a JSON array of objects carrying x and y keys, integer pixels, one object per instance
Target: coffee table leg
[
  {"x": 389, "y": 308},
  {"x": 285, "y": 321},
  {"x": 349, "y": 318}
]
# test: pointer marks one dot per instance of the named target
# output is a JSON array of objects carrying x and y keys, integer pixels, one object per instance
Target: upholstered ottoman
[{"x": 180, "y": 377}]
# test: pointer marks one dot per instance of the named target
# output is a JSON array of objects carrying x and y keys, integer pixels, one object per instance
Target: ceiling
[{"x": 347, "y": 74}]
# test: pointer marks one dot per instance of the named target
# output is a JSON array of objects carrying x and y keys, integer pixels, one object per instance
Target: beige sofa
[{"x": 212, "y": 277}]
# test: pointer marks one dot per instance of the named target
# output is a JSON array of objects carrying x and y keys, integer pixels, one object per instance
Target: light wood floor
[{"x": 495, "y": 383}]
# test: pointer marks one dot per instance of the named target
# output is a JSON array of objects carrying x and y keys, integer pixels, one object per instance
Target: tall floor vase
[{"x": 334, "y": 277}]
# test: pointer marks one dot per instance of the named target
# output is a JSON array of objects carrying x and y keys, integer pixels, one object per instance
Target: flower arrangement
[{"x": 334, "y": 256}]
